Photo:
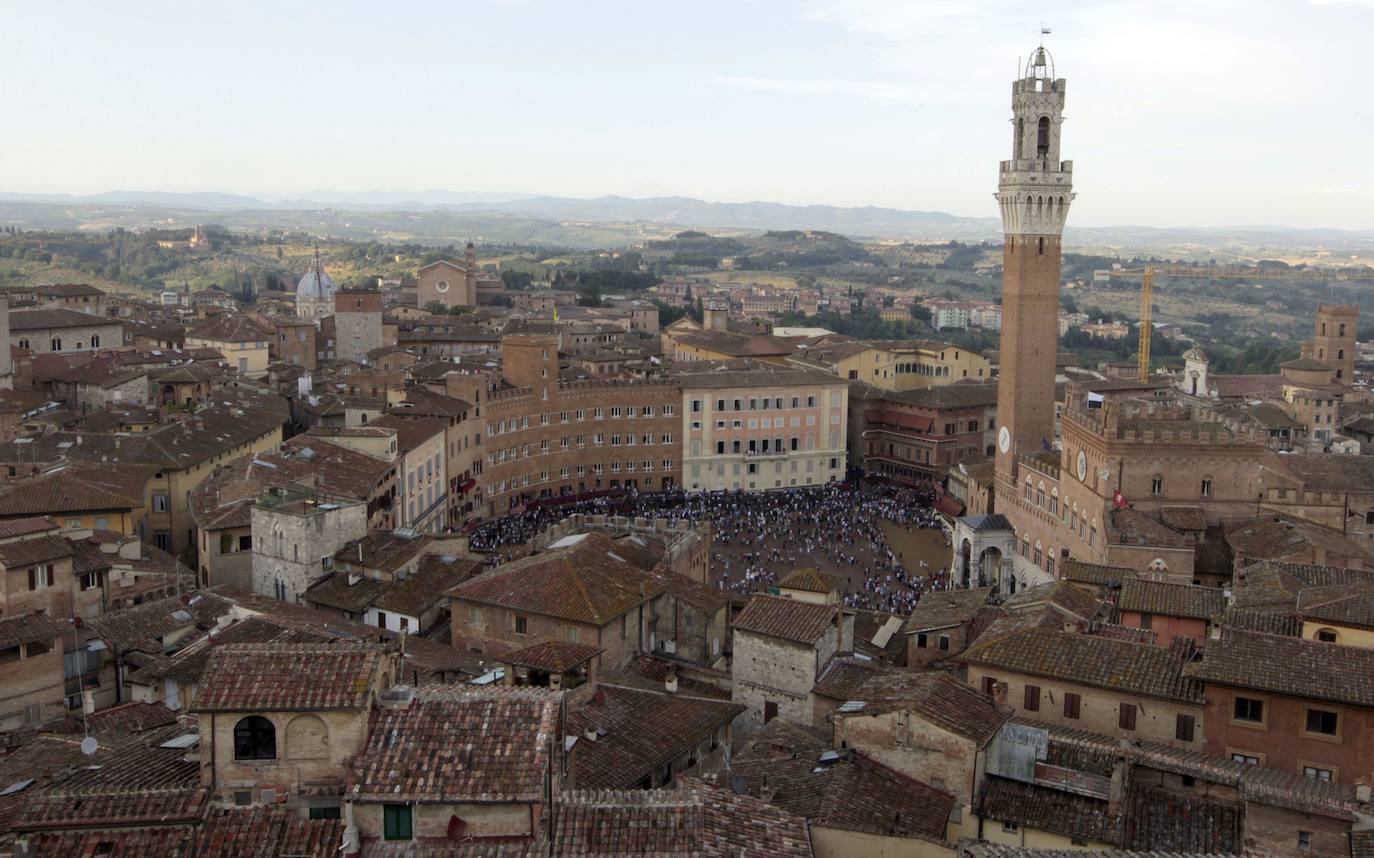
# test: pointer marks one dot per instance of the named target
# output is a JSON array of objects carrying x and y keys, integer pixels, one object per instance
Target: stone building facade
[
  {"x": 295, "y": 539},
  {"x": 357, "y": 324},
  {"x": 781, "y": 646}
]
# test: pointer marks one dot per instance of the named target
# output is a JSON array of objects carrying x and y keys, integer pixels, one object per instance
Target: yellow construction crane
[{"x": 1227, "y": 272}]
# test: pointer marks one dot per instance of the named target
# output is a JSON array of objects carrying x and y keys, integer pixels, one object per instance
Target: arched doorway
[{"x": 989, "y": 566}]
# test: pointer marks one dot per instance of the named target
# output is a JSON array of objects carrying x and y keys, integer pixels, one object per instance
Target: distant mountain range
[{"x": 503, "y": 213}]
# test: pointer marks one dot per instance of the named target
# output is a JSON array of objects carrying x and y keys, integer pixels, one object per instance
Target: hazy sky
[{"x": 1180, "y": 112}]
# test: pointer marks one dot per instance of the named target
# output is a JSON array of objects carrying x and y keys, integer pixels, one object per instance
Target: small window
[
  {"x": 1147, "y": 621},
  {"x": 989, "y": 684},
  {"x": 1126, "y": 716},
  {"x": 1183, "y": 728},
  {"x": 1327, "y": 635},
  {"x": 1304, "y": 840},
  {"x": 944, "y": 643},
  {"x": 1248, "y": 759},
  {"x": 325, "y": 813},
  {"x": 1032, "y": 698},
  {"x": 1010, "y": 827},
  {"x": 1206, "y": 488},
  {"x": 922, "y": 641},
  {"x": 521, "y": 626},
  {"x": 1248, "y": 709},
  {"x": 396, "y": 822},
  {"x": 1317, "y": 773},
  {"x": 1073, "y": 706},
  {"x": 1323, "y": 722}
]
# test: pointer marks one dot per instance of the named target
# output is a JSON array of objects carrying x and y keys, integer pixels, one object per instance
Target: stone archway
[{"x": 990, "y": 567}]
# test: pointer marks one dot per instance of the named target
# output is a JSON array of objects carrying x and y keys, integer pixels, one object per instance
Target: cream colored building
[
  {"x": 241, "y": 340},
  {"x": 896, "y": 364},
  {"x": 755, "y": 426}
]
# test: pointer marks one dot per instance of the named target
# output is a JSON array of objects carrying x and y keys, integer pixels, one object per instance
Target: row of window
[
  {"x": 1185, "y": 726},
  {"x": 1076, "y": 523},
  {"x": 1316, "y": 722},
  {"x": 775, "y": 422},
  {"x": 752, "y": 468},
  {"x": 511, "y": 454},
  {"x": 765, "y": 403},
  {"x": 511, "y": 424}
]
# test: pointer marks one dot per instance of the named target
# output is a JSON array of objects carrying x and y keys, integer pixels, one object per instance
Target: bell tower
[{"x": 1034, "y": 191}]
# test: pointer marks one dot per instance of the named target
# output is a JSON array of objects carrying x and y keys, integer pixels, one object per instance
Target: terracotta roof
[
  {"x": 34, "y": 549},
  {"x": 1094, "y": 573},
  {"x": 811, "y": 581},
  {"x": 30, "y": 627},
  {"x": 259, "y": 832},
  {"x": 1047, "y": 809},
  {"x": 691, "y": 820},
  {"x": 59, "y": 493},
  {"x": 938, "y": 698},
  {"x": 460, "y": 745},
  {"x": 980, "y": 849},
  {"x": 789, "y": 619},
  {"x": 852, "y": 793},
  {"x": 643, "y": 731},
  {"x": 25, "y": 526},
  {"x": 1183, "y": 517},
  {"x": 941, "y": 609},
  {"x": 1133, "y": 527},
  {"x": 384, "y": 550},
  {"x": 188, "y": 664},
  {"x": 345, "y": 592},
  {"x": 1273, "y": 537},
  {"x": 230, "y": 328},
  {"x": 1339, "y": 604},
  {"x": 586, "y": 582},
  {"x": 1331, "y": 471},
  {"x": 134, "y": 716},
  {"x": 1061, "y": 596},
  {"x": 1170, "y": 599},
  {"x": 553, "y": 656},
  {"x": 289, "y": 677},
  {"x": 843, "y": 676},
  {"x": 1283, "y": 665},
  {"x": 140, "y": 627},
  {"x": 42, "y": 320},
  {"x": 1090, "y": 660},
  {"x": 412, "y": 432}
]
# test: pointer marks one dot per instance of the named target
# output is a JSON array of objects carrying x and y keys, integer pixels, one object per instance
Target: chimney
[
  {"x": 670, "y": 683},
  {"x": 589, "y": 734},
  {"x": 352, "y": 841}
]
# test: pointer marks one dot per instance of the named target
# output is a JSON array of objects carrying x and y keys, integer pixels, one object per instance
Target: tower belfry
[{"x": 1034, "y": 191}]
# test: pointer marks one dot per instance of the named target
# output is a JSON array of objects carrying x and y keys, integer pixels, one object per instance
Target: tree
[{"x": 438, "y": 308}]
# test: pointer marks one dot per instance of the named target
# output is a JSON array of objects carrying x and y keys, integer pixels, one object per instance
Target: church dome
[{"x": 316, "y": 285}]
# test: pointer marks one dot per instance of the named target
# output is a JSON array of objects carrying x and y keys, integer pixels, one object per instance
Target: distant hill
[{"x": 611, "y": 221}]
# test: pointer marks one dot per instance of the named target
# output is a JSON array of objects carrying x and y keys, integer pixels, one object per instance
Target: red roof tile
[{"x": 288, "y": 677}]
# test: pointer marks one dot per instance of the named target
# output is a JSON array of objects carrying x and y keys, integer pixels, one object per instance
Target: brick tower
[
  {"x": 1034, "y": 191},
  {"x": 1334, "y": 344}
]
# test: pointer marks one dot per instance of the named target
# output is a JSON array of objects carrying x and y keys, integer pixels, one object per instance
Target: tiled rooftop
[
  {"x": 644, "y": 730},
  {"x": 290, "y": 677},
  {"x": 460, "y": 744},
  {"x": 789, "y": 619}
]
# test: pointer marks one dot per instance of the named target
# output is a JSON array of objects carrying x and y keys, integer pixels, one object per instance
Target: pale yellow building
[
  {"x": 241, "y": 340},
  {"x": 895, "y": 364}
]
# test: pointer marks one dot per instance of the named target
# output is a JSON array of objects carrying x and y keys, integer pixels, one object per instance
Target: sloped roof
[
  {"x": 853, "y": 793},
  {"x": 937, "y": 697},
  {"x": 940, "y": 609},
  {"x": 459, "y": 745},
  {"x": 811, "y": 581},
  {"x": 693, "y": 819},
  {"x": 289, "y": 677},
  {"x": 586, "y": 582},
  {"x": 1090, "y": 660},
  {"x": 1170, "y": 599},
  {"x": 644, "y": 730},
  {"x": 789, "y": 619},
  {"x": 1284, "y": 665},
  {"x": 42, "y": 320},
  {"x": 230, "y": 328}
]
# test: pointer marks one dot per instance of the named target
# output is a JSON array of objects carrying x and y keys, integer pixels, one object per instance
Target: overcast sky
[{"x": 1204, "y": 112}]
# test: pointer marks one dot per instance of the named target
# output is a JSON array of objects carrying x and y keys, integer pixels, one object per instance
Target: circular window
[{"x": 441, "y": 286}]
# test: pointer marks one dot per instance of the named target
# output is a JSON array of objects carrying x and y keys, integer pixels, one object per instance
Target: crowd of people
[{"x": 761, "y": 537}]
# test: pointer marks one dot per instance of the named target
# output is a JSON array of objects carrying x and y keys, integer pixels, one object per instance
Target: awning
[{"x": 949, "y": 506}]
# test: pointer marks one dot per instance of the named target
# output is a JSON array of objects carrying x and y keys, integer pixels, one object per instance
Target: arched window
[
  {"x": 1340, "y": 354},
  {"x": 1328, "y": 635},
  {"x": 255, "y": 739},
  {"x": 95, "y": 341},
  {"x": 1042, "y": 138},
  {"x": 1341, "y": 332}
]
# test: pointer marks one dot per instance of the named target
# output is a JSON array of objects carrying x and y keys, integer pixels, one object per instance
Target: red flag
[{"x": 1119, "y": 500}]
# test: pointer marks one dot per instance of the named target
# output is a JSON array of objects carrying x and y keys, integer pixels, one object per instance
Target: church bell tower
[{"x": 1034, "y": 191}]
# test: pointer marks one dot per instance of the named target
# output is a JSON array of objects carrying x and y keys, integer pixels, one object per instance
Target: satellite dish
[{"x": 89, "y": 746}]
